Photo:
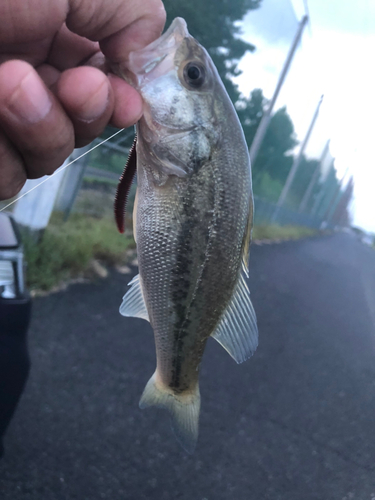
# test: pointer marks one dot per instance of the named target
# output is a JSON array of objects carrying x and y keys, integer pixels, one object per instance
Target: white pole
[
  {"x": 314, "y": 178},
  {"x": 263, "y": 125}
]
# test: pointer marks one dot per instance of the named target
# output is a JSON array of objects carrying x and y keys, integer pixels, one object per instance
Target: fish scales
[
  {"x": 193, "y": 222},
  {"x": 189, "y": 264}
]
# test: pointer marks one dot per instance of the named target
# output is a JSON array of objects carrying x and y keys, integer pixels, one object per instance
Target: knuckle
[
  {"x": 45, "y": 161},
  {"x": 83, "y": 141},
  {"x": 49, "y": 166},
  {"x": 160, "y": 12},
  {"x": 48, "y": 152}
]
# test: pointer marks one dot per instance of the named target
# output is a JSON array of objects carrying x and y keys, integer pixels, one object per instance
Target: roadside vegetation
[
  {"x": 274, "y": 232},
  {"x": 66, "y": 250}
]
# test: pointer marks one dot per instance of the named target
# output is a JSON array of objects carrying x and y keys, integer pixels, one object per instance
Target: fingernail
[
  {"x": 30, "y": 101},
  {"x": 95, "y": 106}
]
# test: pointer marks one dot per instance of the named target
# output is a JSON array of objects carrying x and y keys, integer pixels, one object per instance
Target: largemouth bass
[{"x": 192, "y": 221}]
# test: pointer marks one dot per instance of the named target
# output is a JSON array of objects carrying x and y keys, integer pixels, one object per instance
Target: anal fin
[{"x": 133, "y": 302}]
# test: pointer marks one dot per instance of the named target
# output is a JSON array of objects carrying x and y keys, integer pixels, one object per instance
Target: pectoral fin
[{"x": 133, "y": 303}]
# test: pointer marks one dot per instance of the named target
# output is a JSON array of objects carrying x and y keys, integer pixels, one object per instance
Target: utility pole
[
  {"x": 296, "y": 163},
  {"x": 314, "y": 178},
  {"x": 323, "y": 191},
  {"x": 339, "y": 214},
  {"x": 263, "y": 125}
]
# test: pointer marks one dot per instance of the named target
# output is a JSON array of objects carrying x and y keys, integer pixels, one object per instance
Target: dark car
[{"x": 15, "y": 309}]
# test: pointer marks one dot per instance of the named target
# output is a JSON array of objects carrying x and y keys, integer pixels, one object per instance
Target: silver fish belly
[{"x": 192, "y": 224}]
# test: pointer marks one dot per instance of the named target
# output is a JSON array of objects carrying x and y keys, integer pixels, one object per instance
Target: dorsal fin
[{"x": 123, "y": 187}]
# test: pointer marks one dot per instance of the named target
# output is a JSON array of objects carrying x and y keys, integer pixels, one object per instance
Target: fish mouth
[{"x": 157, "y": 57}]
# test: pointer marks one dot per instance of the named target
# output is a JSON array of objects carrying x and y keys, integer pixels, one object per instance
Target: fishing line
[{"x": 60, "y": 170}]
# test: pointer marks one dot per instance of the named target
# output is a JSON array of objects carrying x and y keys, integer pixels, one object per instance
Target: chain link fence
[{"x": 266, "y": 212}]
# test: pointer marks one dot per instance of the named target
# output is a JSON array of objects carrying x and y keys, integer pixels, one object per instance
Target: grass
[
  {"x": 275, "y": 232},
  {"x": 67, "y": 249}
]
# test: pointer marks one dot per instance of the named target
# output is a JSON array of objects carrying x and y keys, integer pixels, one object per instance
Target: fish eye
[{"x": 194, "y": 74}]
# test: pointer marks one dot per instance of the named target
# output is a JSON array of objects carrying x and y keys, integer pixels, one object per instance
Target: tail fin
[{"x": 183, "y": 409}]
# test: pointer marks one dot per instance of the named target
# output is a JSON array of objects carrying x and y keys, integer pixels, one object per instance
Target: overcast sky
[{"x": 335, "y": 59}]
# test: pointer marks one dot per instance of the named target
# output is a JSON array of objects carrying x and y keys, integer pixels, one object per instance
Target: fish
[{"x": 193, "y": 218}]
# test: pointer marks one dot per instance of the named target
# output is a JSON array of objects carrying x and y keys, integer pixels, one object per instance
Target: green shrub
[{"x": 66, "y": 249}]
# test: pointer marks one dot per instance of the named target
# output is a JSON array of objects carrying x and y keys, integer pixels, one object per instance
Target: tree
[
  {"x": 213, "y": 24},
  {"x": 327, "y": 192},
  {"x": 275, "y": 158},
  {"x": 250, "y": 112},
  {"x": 302, "y": 180},
  {"x": 279, "y": 139},
  {"x": 274, "y": 155}
]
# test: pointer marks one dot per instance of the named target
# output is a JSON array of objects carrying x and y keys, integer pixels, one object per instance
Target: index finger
[{"x": 120, "y": 26}]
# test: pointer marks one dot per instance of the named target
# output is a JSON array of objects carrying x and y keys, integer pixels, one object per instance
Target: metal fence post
[{"x": 314, "y": 178}]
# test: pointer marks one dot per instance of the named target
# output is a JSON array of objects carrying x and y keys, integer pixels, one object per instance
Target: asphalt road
[{"x": 295, "y": 422}]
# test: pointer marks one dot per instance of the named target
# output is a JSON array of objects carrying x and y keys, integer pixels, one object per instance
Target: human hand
[{"x": 51, "y": 103}]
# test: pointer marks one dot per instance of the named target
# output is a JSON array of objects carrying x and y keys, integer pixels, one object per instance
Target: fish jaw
[
  {"x": 158, "y": 57},
  {"x": 155, "y": 59}
]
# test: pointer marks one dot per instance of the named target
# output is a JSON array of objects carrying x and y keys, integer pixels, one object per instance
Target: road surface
[{"x": 295, "y": 422}]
